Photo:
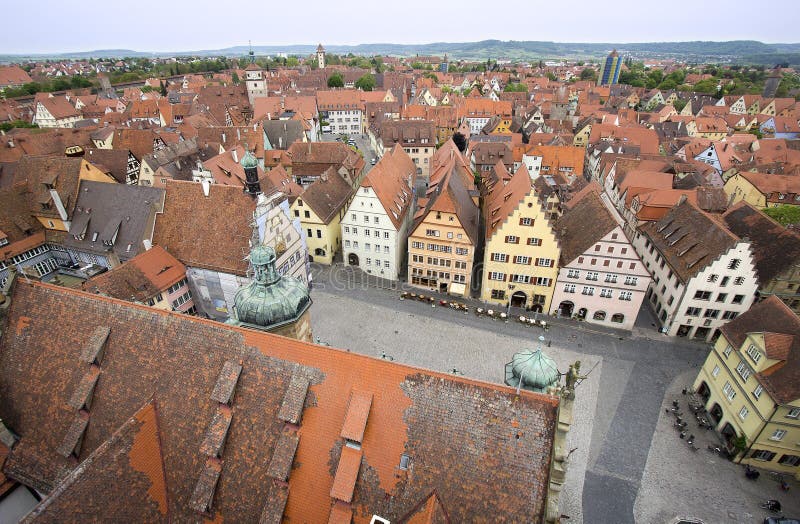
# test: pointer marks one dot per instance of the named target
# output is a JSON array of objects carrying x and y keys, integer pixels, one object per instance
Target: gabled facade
[
  {"x": 601, "y": 279},
  {"x": 776, "y": 250},
  {"x": 749, "y": 387},
  {"x": 321, "y": 208},
  {"x": 375, "y": 225},
  {"x": 444, "y": 237},
  {"x": 703, "y": 275},
  {"x": 520, "y": 261}
]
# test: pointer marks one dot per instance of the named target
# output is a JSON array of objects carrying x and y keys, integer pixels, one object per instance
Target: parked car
[{"x": 374, "y": 161}]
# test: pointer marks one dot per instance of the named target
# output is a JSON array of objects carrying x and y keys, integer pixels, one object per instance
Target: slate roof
[
  {"x": 585, "y": 222},
  {"x": 422, "y": 414},
  {"x": 771, "y": 316},
  {"x": 283, "y": 133},
  {"x": 775, "y": 248},
  {"x": 689, "y": 239},
  {"x": 209, "y": 232},
  {"x": 141, "y": 278},
  {"x": 118, "y": 213}
]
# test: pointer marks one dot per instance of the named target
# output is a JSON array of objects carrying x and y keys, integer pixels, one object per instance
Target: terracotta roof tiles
[
  {"x": 180, "y": 371},
  {"x": 224, "y": 215}
]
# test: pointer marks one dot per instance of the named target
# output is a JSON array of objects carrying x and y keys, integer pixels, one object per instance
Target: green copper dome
[
  {"x": 270, "y": 300},
  {"x": 248, "y": 161},
  {"x": 532, "y": 370}
]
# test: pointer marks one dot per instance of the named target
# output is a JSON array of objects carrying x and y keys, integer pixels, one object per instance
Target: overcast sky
[{"x": 49, "y": 26}]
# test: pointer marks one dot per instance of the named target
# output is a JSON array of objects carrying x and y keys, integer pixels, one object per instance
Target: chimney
[
  {"x": 238, "y": 135},
  {"x": 206, "y": 186},
  {"x": 223, "y": 138},
  {"x": 235, "y": 155},
  {"x": 11, "y": 142}
]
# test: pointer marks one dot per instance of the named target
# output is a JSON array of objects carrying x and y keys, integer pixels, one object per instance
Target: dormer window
[{"x": 754, "y": 353}]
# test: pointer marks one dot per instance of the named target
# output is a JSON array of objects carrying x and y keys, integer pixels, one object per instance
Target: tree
[
  {"x": 551, "y": 76},
  {"x": 515, "y": 88},
  {"x": 432, "y": 76},
  {"x": 335, "y": 80},
  {"x": 366, "y": 82},
  {"x": 588, "y": 74},
  {"x": 784, "y": 214},
  {"x": 292, "y": 62},
  {"x": 235, "y": 78},
  {"x": 163, "y": 88}
]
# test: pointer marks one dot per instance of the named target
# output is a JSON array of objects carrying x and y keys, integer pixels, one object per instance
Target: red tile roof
[
  {"x": 179, "y": 369},
  {"x": 223, "y": 217}
]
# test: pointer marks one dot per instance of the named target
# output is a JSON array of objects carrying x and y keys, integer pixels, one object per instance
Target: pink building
[{"x": 601, "y": 280}]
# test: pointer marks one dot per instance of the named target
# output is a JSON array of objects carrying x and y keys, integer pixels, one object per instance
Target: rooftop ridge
[{"x": 246, "y": 331}]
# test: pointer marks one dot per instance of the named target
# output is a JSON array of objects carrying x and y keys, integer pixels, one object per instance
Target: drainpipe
[{"x": 747, "y": 452}]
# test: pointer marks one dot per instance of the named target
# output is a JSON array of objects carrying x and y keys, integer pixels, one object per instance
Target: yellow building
[
  {"x": 520, "y": 263},
  {"x": 444, "y": 235},
  {"x": 320, "y": 209},
  {"x": 582, "y": 132},
  {"x": 750, "y": 388},
  {"x": 762, "y": 189}
]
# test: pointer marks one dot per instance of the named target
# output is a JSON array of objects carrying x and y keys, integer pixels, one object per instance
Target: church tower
[
  {"x": 321, "y": 56},
  {"x": 254, "y": 78},
  {"x": 250, "y": 165}
]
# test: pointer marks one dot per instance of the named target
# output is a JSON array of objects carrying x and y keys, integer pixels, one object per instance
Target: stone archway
[
  {"x": 519, "y": 299},
  {"x": 599, "y": 316},
  {"x": 352, "y": 259},
  {"x": 565, "y": 308}
]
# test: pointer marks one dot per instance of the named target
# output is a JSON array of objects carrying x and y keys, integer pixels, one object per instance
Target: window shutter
[
  {"x": 506, "y": 239},
  {"x": 537, "y": 261},
  {"x": 529, "y": 260}
]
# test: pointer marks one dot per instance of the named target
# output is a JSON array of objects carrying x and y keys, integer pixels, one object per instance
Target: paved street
[
  {"x": 362, "y": 143},
  {"x": 701, "y": 484},
  {"x": 618, "y": 410}
]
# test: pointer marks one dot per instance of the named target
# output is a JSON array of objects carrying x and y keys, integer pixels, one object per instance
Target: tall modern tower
[{"x": 609, "y": 73}]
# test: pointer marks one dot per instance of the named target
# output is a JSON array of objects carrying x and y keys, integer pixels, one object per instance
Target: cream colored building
[{"x": 320, "y": 209}]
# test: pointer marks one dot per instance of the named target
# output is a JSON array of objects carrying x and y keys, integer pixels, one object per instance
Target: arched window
[
  {"x": 618, "y": 318},
  {"x": 599, "y": 315}
]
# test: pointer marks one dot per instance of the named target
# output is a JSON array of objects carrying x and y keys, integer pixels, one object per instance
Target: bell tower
[
  {"x": 321, "y": 56},
  {"x": 254, "y": 77},
  {"x": 250, "y": 165}
]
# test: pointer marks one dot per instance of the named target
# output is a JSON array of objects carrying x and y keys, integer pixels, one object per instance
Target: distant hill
[{"x": 736, "y": 51}]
